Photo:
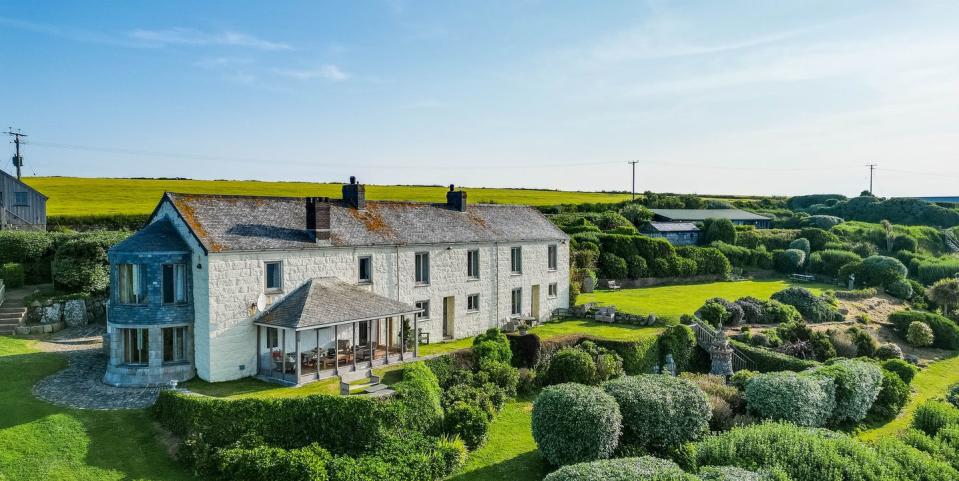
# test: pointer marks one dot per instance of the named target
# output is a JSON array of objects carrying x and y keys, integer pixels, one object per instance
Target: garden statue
[
  {"x": 721, "y": 354},
  {"x": 852, "y": 281},
  {"x": 670, "y": 366},
  {"x": 656, "y": 369}
]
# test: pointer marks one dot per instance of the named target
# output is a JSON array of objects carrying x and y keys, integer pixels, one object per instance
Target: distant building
[
  {"x": 677, "y": 233},
  {"x": 21, "y": 207},
  {"x": 737, "y": 216}
]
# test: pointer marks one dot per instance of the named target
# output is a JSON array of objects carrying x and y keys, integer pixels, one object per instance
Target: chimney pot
[
  {"x": 354, "y": 194},
  {"x": 456, "y": 200},
  {"x": 451, "y": 187},
  {"x": 352, "y": 179}
]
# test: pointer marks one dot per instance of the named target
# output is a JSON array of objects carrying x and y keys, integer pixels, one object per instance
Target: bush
[
  {"x": 621, "y": 469},
  {"x": 888, "y": 351},
  {"x": 857, "y": 384},
  {"x": 813, "y": 308},
  {"x": 825, "y": 222},
  {"x": 945, "y": 292},
  {"x": 893, "y": 396},
  {"x": 931, "y": 416},
  {"x": 905, "y": 243},
  {"x": 611, "y": 266},
  {"x": 901, "y": 368},
  {"x": 881, "y": 271},
  {"x": 741, "y": 378},
  {"x": 503, "y": 375},
  {"x": 789, "y": 261},
  {"x": 738, "y": 256},
  {"x": 866, "y": 345},
  {"x": 721, "y": 230},
  {"x": 900, "y": 289},
  {"x": 801, "y": 244},
  {"x": 418, "y": 398},
  {"x": 931, "y": 271},
  {"x": 573, "y": 423},
  {"x": 801, "y": 399},
  {"x": 637, "y": 267},
  {"x": 469, "y": 422},
  {"x": 12, "y": 275},
  {"x": 660, "y": 412},
  {"x": 830, "y": 261},
  {"x": 609, "y": 365},
  {"x": 818, "y": 238},
  {"x": 768, "y": 360},
  {"x": 526, "y": 349},
  {"x": 492, "y": 346},
  {"x": 680, "y": 341},
  {"x": 265, "y": 463},
  {"x": 713, "y": 312},
  {"x": 709, "y": 261},
  {"x": 945, "y": 331},
  {"x": 570, "y": 364},
  {"x": 919, "y": 334},
  {"x": 732, "y": 473}
]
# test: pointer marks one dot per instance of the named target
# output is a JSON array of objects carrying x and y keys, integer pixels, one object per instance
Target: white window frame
[
  {"x": 516, "y": 302},
  {"x": 425, "y": 314},
  {"x": 553, "y": 290},
  {"x": 266, "y": 276},
  {"x": 179, "y": 342},
  {"x": 516, "y": 260},
  {"x": 369, "y": 270},
  {"x": 421, "y": 268},
  {"x": 473, "y": 299},
  {"x": 551, "y": 257},
  {"x": 473, "y": 264}
]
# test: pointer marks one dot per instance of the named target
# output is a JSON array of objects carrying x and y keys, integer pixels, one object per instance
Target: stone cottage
[{"x": 299, "y": 289}]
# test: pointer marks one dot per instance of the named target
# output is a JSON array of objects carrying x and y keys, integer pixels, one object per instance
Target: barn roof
[
  {"x": 22, "y": 183},
  {"x": 240, "y": 223},
  {"x": 673, "y": 226},
  {"x": 326, "y": 301},
  {"x": 694, "y": 215}
]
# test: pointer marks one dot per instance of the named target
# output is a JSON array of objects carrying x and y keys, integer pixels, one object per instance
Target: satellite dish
[{"x": 261, "y": 302}]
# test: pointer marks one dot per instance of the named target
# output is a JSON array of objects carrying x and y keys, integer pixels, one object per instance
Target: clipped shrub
[
  {"x": 611, "y": 266},
  {"x": 492, "y": 345},
  {"x": 768, "y": 360},
  {"x": 24, "y": 246},
  {"x": 636, "y": 267},
  {"x": 721, "y": 230},
  {"x": 802, "y": 244},
  {"x": 660, "y": 412},
  {"x": 680, "y": 341},
  {"x": 818, "y": 238},
  {"x": 931, "y": 416},
  {"x": 741, "y": 378},
  {"x": 713, "y": 312},
  {"x": 468, "y": 421},
  {"x": 919, "y": 334},
  {"x": 893, "y": 396},
  {"x": 900, "y": 289},
  {"x": 880, "y": 271},
  {"x": 901, "y": 368},
  {"x": 857, "y": 384},
  {"x": 732, "y": 473},
  {"x": 503, "y": 375},
  {"x": 621, "y": 469},
  {"x": 265, "y": 463},
  {"x": 12, "y": 275},
  {"x": 945, "y": 331},
  {"x": 789, "y": 261},
  {"x": 419, "y": 398},
  {"x": 570, "y": 364},
  {"x": 812, "y": 307},
  {"x": 801, "y": 399},
  {"x": 830, "y": 261},
  {"x": 866, "y": 345},
  {"x": 80, "y": 263},
  {"x": 888, "y": 351},
  {"x": 573, "y": 423}
]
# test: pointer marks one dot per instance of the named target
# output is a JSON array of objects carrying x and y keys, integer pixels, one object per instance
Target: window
[
  {"x": 130, "y": 280},
  {"x": 425, "y": 305},
  {"x": 274, "y": 276},
  {"x": 472, "y": 302},
  {"x": 136, "y": 346},
  {"x": 174, "y": 283},
  {"x": 422, "y": 262},
  {"x": 472, "y": 264},
  {"x": 516, "y": 260},
  {"x": 174, "y": 344},
  {"x": 21, "y": 198},
  {"x": 365, "y": 270},
  {"x": 272, "y": 338},
  {"x": 517, "y": 305},
  {"x": 551, "y": 257},
  {"x": 553, "y": 289}
]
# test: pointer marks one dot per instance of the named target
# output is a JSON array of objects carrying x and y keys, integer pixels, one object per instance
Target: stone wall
[{"x": 655, "y": 281}]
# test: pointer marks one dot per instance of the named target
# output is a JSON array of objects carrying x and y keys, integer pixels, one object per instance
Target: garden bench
[
  {"x": 613, "y": 286},
  {"x": 605, "y": 314},
  {"x": 802, "y": 277}
]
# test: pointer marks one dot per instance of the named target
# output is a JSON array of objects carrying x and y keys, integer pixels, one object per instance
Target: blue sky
[{"x": 710, "y": 97}]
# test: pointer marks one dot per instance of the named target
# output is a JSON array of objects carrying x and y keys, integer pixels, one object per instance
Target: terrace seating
[{"x": 605, "y": 314}]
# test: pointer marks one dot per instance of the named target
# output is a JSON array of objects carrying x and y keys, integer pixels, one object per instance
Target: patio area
[{"x": 327, "y": 328}]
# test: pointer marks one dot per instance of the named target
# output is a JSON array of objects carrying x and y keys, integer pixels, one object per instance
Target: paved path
[{"x": 79, "y": 385}]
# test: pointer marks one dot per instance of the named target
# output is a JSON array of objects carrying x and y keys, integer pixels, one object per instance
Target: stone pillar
[{"x": 721, "y": 354}]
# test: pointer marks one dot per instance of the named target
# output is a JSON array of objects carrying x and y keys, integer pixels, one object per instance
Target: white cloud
[
  {"x": 189, "y": 36},
  {"x": 327, "y": 72}
]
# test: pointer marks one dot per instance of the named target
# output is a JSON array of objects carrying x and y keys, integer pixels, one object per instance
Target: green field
[
  {"x": 670, "y": 302},
  {"x": 76, "y": 196},
  {"x": 41, "y": 441}
]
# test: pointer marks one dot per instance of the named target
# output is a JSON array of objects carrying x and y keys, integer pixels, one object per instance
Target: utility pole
[
  {"x": 17, "y": 139},
  {"x": 633, "y": 162},
  {"x": 872, "y": 168}
]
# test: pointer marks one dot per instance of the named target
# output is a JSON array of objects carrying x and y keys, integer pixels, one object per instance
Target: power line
[{"x": 17, "y": 139}]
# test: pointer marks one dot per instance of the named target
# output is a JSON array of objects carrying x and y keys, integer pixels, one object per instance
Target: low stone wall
[
  {"x": 655, "y": 281},
  {"x": 36, "y": 329},
  {"x": 71, "y": 312}
]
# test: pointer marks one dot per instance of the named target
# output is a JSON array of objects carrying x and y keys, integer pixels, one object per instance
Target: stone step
[
  {"x": 376, "y": 387},
  {"x": 9, "y": 322},
  {"x": 6, "y": 308}
]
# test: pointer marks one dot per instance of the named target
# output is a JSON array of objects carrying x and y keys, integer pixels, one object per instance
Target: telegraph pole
[
  {"x": 872, "y": 168},
  {"x": 633, "y": 162},
  {"x": 17, "y": 139}
]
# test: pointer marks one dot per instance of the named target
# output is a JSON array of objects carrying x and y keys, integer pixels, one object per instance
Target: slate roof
[
  {"x": 159, "y": 236},
  {"x": 703, "y": 214},
  {"x": 673, "y": 227},
  {"x": 325, "y": 301},
  {"x": 224, "y": 223}
]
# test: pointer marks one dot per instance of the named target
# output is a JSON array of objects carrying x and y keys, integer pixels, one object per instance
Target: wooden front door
[
  {"x": 448, "y": 305},
  {"x": 534, "y": 300}
]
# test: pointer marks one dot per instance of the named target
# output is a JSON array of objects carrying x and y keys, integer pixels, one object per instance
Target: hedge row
[
  {"x": 639, "y": 356},
  {"x": 12, "y": 275},
  {"x": 946, "y": 331},
  {"x": 768, "y": 360}
]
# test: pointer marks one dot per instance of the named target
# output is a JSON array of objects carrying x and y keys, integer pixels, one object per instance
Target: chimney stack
[
  {"x": 456, "y": 199},
  {"x": 354, "y": 194},
  {"x": 318, "y": 218}
]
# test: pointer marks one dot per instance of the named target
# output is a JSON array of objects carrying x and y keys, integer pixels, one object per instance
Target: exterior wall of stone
[
  {"x": 156, "y": 372},
  {"x": 236, "y": 279}
]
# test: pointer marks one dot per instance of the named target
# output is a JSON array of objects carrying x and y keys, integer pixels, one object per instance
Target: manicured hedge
[
  {"x": 343, "y": 425},
  {"x": 12, "y": 274},
  {"x": 80, "y": 263},
  {"x": 813, "y": 308},
  {"x": 639, "y": 356},
  {"x": 893, "y": 396},
  {"x": 526, "y": 349},
  {"x": 621, "y": 469},
  {"x": 828, "y": 262},
  {"x": 931, "y": 416},
  {"x": 769, "y": 361},
  {"x": 901, "y": 368},
  {"x": 660, "y": 412},
  {"x": 857, "y": 386},
  {"x": 418, "y": 399},
  {"x": 24, "y": 246},
  {"x": 881, "y": 270},
  {"x": 573, "y": 423},
  {"x": 945, "y": 330},
  {"x": 265, "y": 463},
  {"x": 797, "y": 398},
  {"x": 932, "y": 270}
]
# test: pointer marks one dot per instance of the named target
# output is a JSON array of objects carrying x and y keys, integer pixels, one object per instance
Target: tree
[
  {"x": 945, "y": 292},
  {"x": 890, "y": 237},
  {"x": 720, "y": 230},
  {"x": 636, "y": 213}
]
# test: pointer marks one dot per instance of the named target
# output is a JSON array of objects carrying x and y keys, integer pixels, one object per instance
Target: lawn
[
  {"x": 39, "y": 440},
  {"x": 931, "y": 382},
  {"x": 670, "y": 302},
  {"x": 87, "y": 196},
  {"x": 510, "y": 454}
]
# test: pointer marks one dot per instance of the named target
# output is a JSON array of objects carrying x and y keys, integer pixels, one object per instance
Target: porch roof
[{"x": 326, "y": 301}]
